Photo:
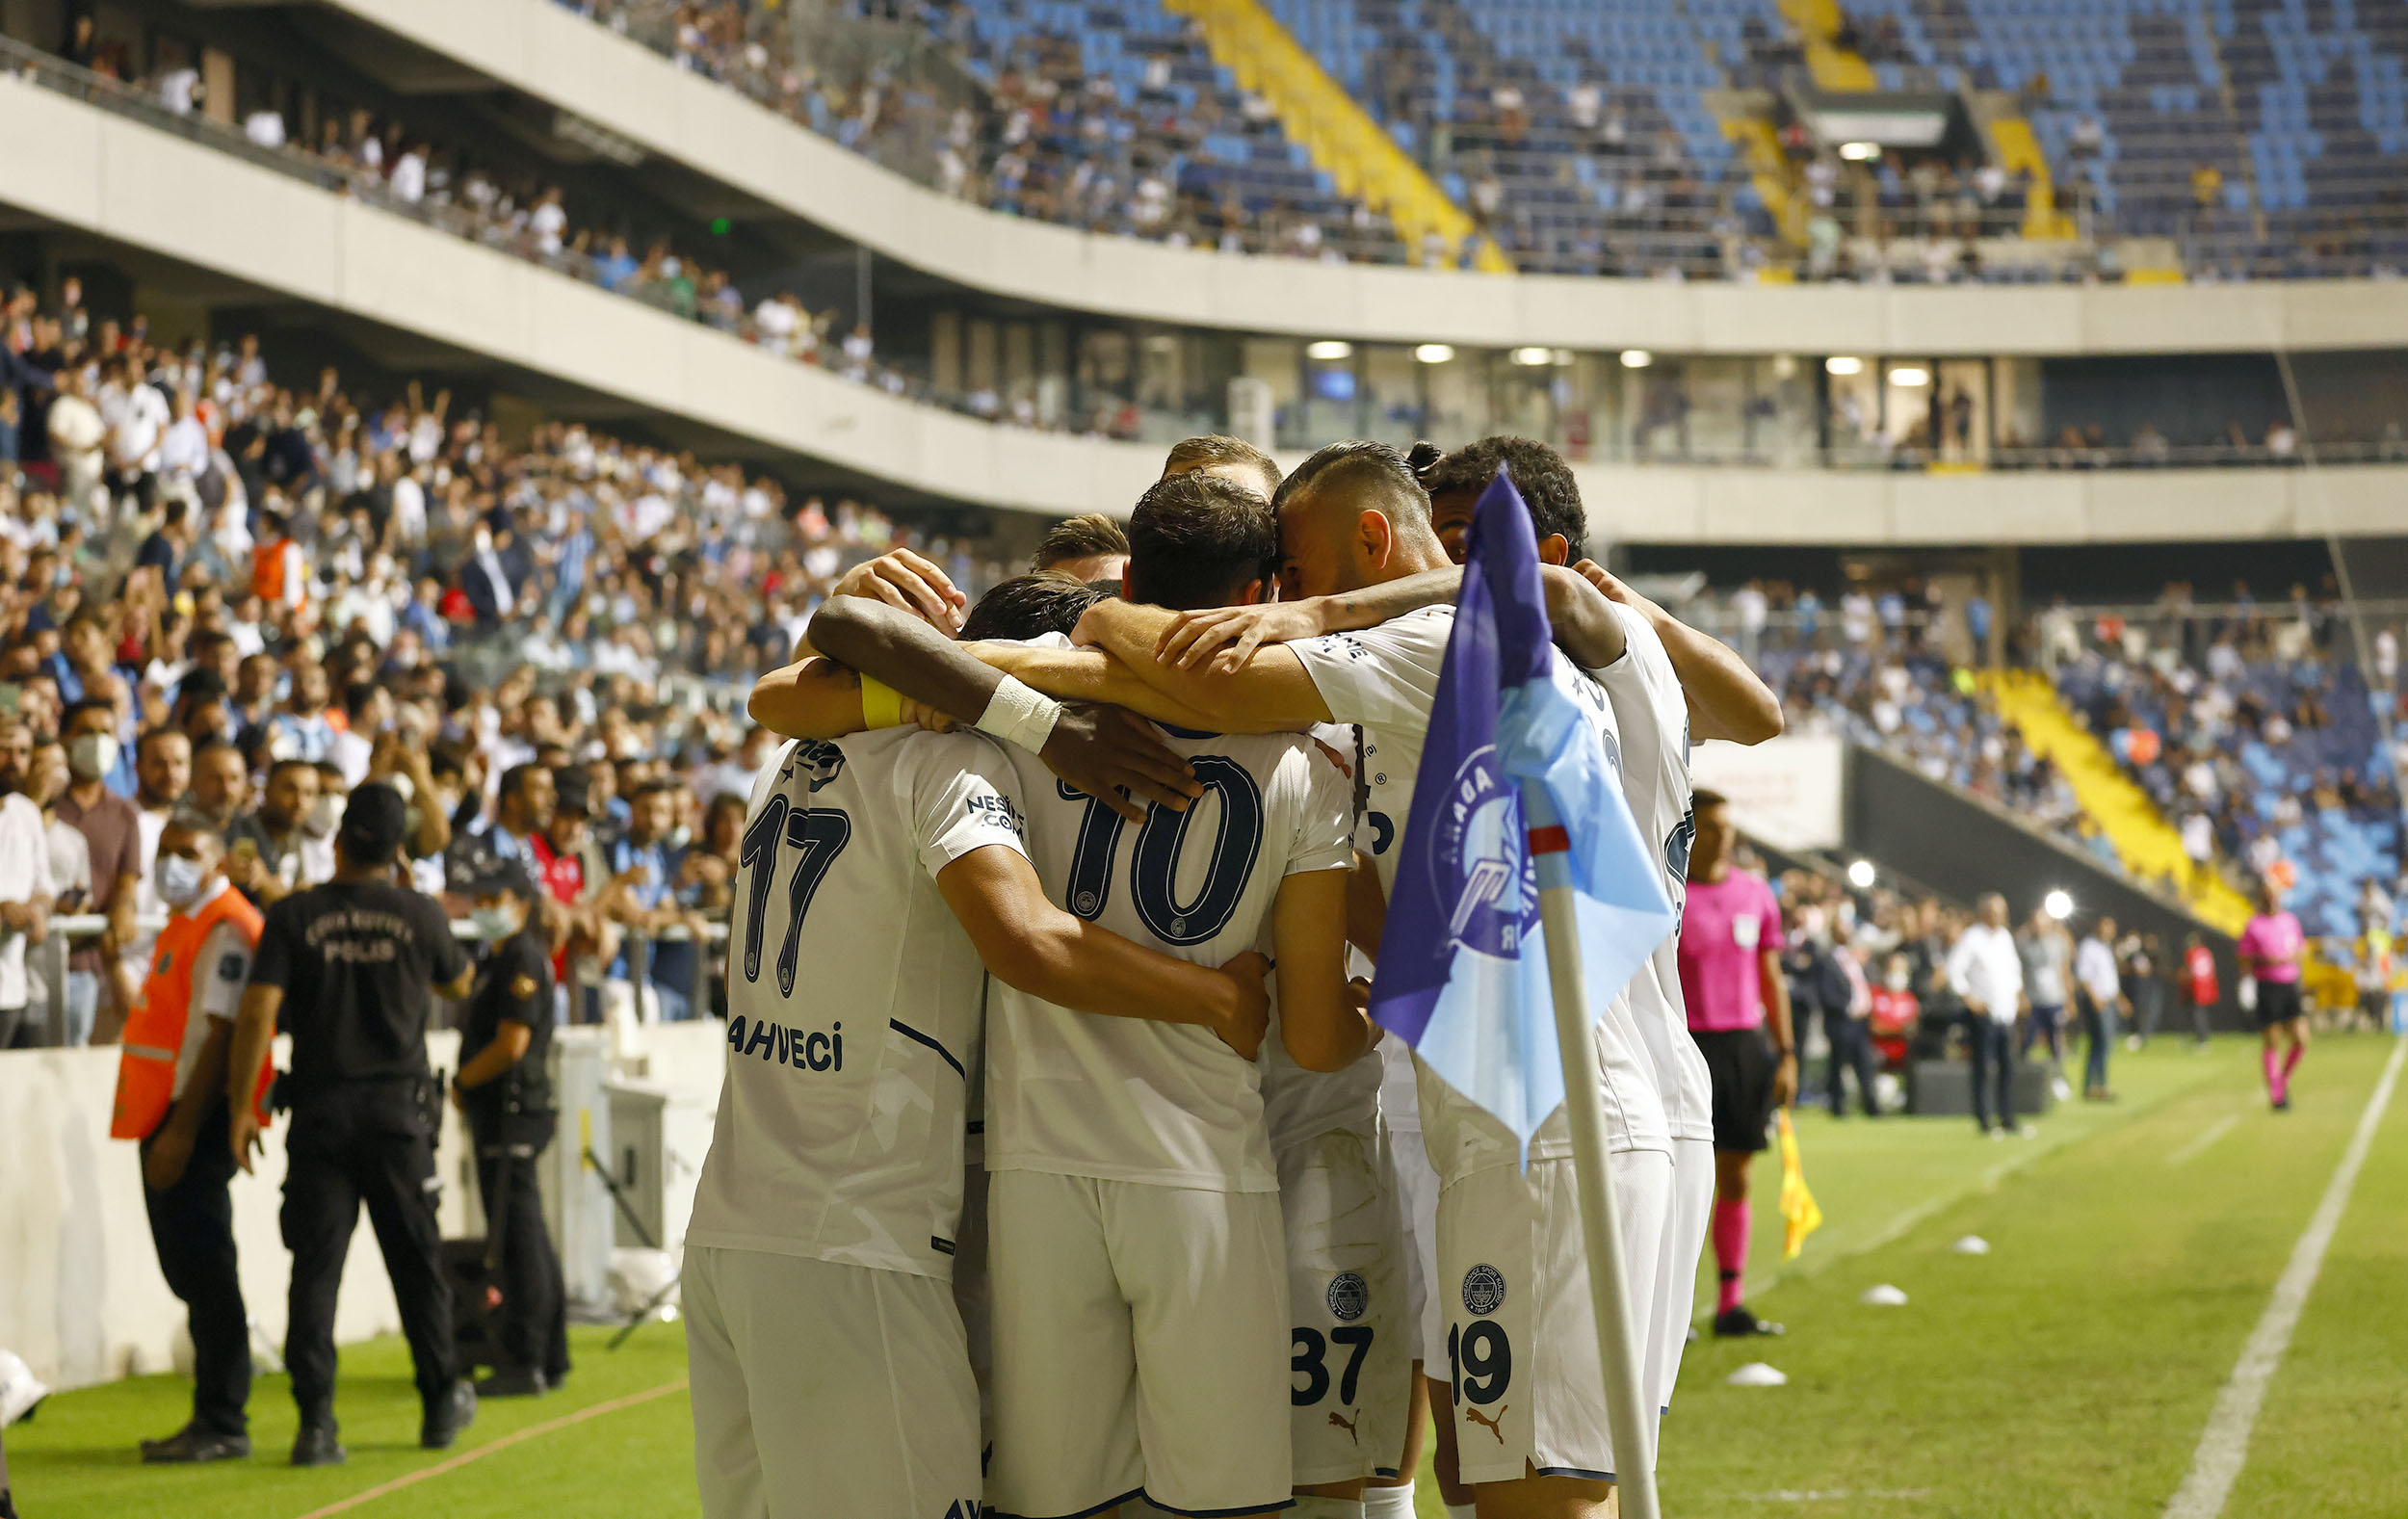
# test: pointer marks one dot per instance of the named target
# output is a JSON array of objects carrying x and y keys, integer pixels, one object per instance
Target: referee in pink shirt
[
  {"x": 2272, "y": 949},
  {"x": 1731, "y": 983}
]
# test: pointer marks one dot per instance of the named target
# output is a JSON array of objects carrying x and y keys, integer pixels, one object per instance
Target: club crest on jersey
[
  {"x": 1482, "y": 860},
  {"x": 804, "y": 1050},
  {"x": 816, "y": 761},
  {"x": 1484, "y": 1289},
  {"x": 1349, "y": 1297}
]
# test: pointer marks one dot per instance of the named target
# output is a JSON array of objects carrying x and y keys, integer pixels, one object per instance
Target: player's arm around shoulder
[
  {"x": 1273, "y": 692},
  {"x": 1726, "y": 698},
  {"x": 815, "y": 698}
]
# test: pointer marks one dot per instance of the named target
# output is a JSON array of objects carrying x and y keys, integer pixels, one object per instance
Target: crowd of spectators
[
  {"x": 2244, "y": 723},
  {"x": 1878, "y": 667},
  {"x": 253, "y": 597},
  {"x": 1018, "y": 126},
  {"x": 1871, "y": 989}
]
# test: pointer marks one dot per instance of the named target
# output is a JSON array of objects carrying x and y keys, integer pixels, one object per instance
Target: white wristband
[{"x": 1018, "y": 714}]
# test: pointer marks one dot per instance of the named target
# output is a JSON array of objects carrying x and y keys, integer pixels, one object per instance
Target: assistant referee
[
  {"x": 1733, "y": 986},
  {"x": 349, "y": 970}
]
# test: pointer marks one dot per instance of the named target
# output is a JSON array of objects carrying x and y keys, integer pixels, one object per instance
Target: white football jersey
[
  {"x": 1386, "y": 680},
  {"x": 1654, "y": 718},
  {"x": 854, "y": 1001},
  {"x": 1299, "y": 1103},
  {"x": 1127, "y": 1099}
]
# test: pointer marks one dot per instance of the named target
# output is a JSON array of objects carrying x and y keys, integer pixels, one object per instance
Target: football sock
[
  {"x": 2290, "y": 1063},
  {"x": 1730, "y": 1235},
  {"x": 1388, "y": 1503},
  {"x": 2273, "y": 1073}
]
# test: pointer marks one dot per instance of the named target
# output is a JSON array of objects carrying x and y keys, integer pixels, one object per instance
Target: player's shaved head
[
  {"x": 1201, "y": 539},
  {"x": 1030, "y": 606},
  {"x": 1354, "y": 516},
  {"x": 1455, "y": 481},
  {"x": 1230, "y": 458}
]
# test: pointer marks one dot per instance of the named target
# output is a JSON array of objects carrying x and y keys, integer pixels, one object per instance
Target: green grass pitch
[{"x": 2065, "y": 1374}]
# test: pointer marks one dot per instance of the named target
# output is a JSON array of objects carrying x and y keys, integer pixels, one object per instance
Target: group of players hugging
[{"x": 1059, "y": 1169}]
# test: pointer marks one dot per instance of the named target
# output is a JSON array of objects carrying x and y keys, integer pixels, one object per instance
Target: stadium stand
[
  {"x": 2230, "y": 138},
  {"x": 1111, "y": 118},
  {"x": 2252, "y": 729}
]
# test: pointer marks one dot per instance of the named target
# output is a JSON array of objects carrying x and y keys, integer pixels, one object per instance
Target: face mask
[
  {"x": 496, "y": 921},
  {"x": 92, "y": 755},
  {"x": 1898, "y": 980},
  {"x": 323, "y": 814},
  {"x": 178, "y": 879}
]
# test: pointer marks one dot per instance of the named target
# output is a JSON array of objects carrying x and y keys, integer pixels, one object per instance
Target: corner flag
[{"x": 1462, "y": 975}]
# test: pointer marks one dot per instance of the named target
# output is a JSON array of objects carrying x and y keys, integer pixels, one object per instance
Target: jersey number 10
[
  {"x": 1152, "y": 889},
  {"x": 820, "y": 834}
]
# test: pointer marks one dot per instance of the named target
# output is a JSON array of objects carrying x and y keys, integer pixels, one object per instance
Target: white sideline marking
[
  {"x": 2207, "y": 1136},
  {"x": 2224, "y": 1445},
  {"x": 480, "y": 1452}
]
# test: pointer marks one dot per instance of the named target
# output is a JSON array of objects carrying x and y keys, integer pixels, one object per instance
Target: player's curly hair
[{"x": 1539, "y": 473}]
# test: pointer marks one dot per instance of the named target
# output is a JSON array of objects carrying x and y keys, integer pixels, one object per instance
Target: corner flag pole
[{"x": 1627, "y": 1416}]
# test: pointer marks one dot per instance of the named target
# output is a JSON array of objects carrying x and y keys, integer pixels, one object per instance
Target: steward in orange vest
[{"x": 172, "y": 1080}]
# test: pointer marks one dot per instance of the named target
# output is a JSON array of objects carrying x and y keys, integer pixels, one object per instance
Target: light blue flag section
[{"x": 1462, "y": 973}]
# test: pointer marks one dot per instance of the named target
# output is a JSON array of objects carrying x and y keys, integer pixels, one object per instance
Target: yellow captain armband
[{"x": 881, "y": 705}]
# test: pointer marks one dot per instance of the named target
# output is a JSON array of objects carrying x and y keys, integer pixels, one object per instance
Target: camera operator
[
  {"x": 505, "y": 1091},
  {"x": 349, "y": 970}
]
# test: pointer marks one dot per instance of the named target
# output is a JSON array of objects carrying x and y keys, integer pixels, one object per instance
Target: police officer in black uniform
[
  {"x": 349, "y": 969},
  {"x": 505, "y": 1090}
]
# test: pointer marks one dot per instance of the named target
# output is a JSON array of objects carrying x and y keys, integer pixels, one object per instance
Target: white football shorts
[
  {"x": 1521, "y": 1365},
  {"x": 1415, "y": 1183},
  {"x": 1676, "y": 1275},
  {"x": 1140, "y": 1347},
  {"x": 820, "y": 1388},
  {"x": 1350, "y": 1361}
]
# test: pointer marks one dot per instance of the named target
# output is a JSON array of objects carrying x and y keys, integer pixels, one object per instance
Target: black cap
[
  {"x": 572, "y": 790},
  {"x": 477, "y": 869},
  {"x": 374, "y": 820}
]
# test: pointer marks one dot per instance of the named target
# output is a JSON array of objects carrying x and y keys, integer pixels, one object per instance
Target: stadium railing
[{"x": 48, "y": 962}]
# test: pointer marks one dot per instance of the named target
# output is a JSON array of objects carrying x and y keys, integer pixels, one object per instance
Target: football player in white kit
[
  {"x": 1672, "y": 683},
  {"x": 1141, "y": 1331},
  {"x": 1509, "y": 1253},
  {"x": 880, "y": 880}
]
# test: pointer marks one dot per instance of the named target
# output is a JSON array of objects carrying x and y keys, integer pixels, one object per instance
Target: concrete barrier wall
[{"x": 81, "y": 1296}]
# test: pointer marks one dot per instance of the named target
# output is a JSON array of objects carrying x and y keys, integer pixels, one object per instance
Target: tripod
[{"x": 627, "y": 1212}]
